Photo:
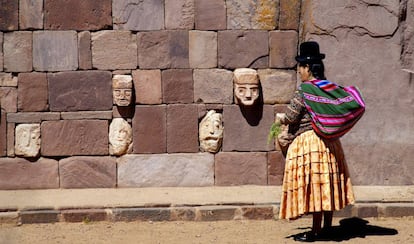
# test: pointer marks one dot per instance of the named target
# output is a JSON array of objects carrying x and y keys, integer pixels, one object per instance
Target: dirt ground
[{"x": 351, "y": 230}]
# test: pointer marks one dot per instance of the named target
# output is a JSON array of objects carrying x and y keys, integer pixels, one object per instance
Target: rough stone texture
[
  {"x": 87, "y": 115},
  {"x": 407, "y": 39},
  {"x": 283, "y": 49},
  {"x": 366, "y": 211},
  {"x": 9, "y": 15},
  {"x": 170, "y": 47},
  {"x": 158, "y": 170},
  {"x": 68, "y": 90},
  {"x": 1, "y": 53},
  {"x": 256, "y": 14},
  {"x": 85, "y": 51},
  {"x": 114, "y": 50},
  {"x": 246, "y": 129},
  {"x": 7, "y": 79},
  {"x": 120, "y": 137},
  {"x": 8, "y": 99},
  {"x": 138, "y": 15},
  {"x": 30, "y": 14},
  {"x": 289, "y": 14},
  {"x": 83, "y": 215},
  {"x": 19, "y": 173},
  {"x": 213, "y": 86},
  {"x": 87, "y": 172},
  {"x": 10, "y": 138},
  {"x": 210, "y": 15},
  {"x": 203, "y": 49},
  {"x": 182, "y": 214},
  {"x": 235, "y": 49},
  {"x": 55, "y": 50},
  {"x": 39, "y": 217},
  {"x": 177, "y": 86},
  {"x": 3, "y": 133},
  {"x": 147, "y": 85},
  {"x": 74, "y": 137},
  {"x": 32, "y": 95},
  {"x": 77, "y": 14},
  {"x": 248, "y": 168},
  {"x": 149, "y": 129},
  {"x": 257, "y": 212},
  {"x": 32, "y": 117},
  {"x": 215, "y": 213},
  {"x": 18, "y": 51},
  {"x": 392, "y": 210},
  {"x": 275, "y": 168},
  {"x": 27, "y": 142},
  {"x": 278, "y": 86},
  {"x": 141, "y": 214},
  {"x": 182, "y": 128},
  {"x": 179, "y": 14}
]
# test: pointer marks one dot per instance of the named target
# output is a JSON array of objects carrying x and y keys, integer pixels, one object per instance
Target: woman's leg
[
  {"x": 327, "y": 219},
  {"x": 317, "y": 222}
]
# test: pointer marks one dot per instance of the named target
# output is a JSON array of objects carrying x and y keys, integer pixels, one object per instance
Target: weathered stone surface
[
  {"x": 27, "y": 140},
  {"x": 141, "y": 214},
  {"x": 10, "y": 137},
  {"x": 32, "y": 95},
  {"x": 215, "y": 213},
  {"x": 213, "y": 86},
  {"x": 19, "y": 173},
  {"x": 87, "y": 172},
  {"x": 83, "y": 215},
  {"x": 177, "y": 86},
  {"x": 179, "y": 14},
  {"x": 30, "y": 14},
  {"x": 256, "y": 14},
  {"x": 275, "y": 168},
  {"x": 85, "y": 51},
  {"x": 240, "y": 168},
  {"x": 182, "y": 128},
  {"x": 283, "y": 49},
  {"x": 235, "y": 49},
  {"x": 48, "y": 51},
  {"x": 203, "y": 49},
  {"x": 289, "y": 14},
  {"x": 138, "y": 15},
  {"x": 7, "y": 79},
  {"x": 210, "y": 15},
  {"x": 87, "y": 115},
  {"x": 1, "y": 53},
  {"x": 32, "y": 117},
  {"x": 147, "y": 84},
  {"x": 366, "y": 211},
  {"x": 114, "y": 50},
  {"x": 407, "y": 40},
  {"x": 149, "y": 129},
  {"x": 182, "y": 214},
  {"x": 120, "y": 137},
  {"x": 166, "y": 170},
  {"x": 396, "y": 210},
  {"x": 170, "y": 46},
  {"x": 8, "y": 99},
  {"x": 9, "y": 15},
  {"x": 257, "y": 212},
  {"x": 277, "y": 85},
  {"x": 246, "y": 129},
  {"x": 18, "y": 51},
  {"x": 77, "y": 14},
  {"x": 39, "y": 217},
  {"x": 68, "y": 90},
  {"x": 74, "y": 137},
  {"x": 3, "y": 133}
]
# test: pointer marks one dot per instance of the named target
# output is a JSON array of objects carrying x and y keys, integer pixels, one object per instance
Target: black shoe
[{"x": 305, "y": 237}]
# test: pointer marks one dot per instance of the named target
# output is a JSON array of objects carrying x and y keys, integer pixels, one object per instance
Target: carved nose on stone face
[{"x": 248, "y": 94}]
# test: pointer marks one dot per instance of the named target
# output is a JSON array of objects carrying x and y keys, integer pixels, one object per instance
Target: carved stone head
[
  {"x": 246, "y": 86},
  {"x": 211, "y": 132},
  {"x": 120, "y": 137},
  {"x": 122, "y": 89},
  {"x": 27, "y": 140}
]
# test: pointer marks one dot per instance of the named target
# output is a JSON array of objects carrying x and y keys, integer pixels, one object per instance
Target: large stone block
[
  {"x": 213, "y": 86},
  {"x": 9, "y": 15},
  {"x": 256, "y": 14},
  {"x": 275, "y": 168},
  {"x": 407, "y": 40},
  {"x": 138, "y": 15},
  {"x": 1, "y": 53},
  {"x": 18, "y": 51},
  {"x": 32, "y": 95},
  {"x": 3, "y": 133},
  {"x": 241, "y": 168},
  {"x": 55, "y": 50},
  {"x": 246, "y": 129},
  {"x": 8, "y": 99},
  {"x": 149, "y": 129},
  {"x": 283, "y": 49},
  {"x": 80, "y": 90},
  {"x": 78, "y": 14},
  {"x": 179, "y": 14},
  {"x": 85, "y": 51},
  {"x": 159, "y": 170},
  {"x": 210, "y": 15},
  {"x": 32, "y": 117},
  {"x": 278, "y": 86},
  {"x": 147, "y": 85},
  {"x": 74, "y": 137},
  {"x": 182, "y": 128},
  {"x": 114, "y": 50},
  {"x": 203, "y": 49},
  {"x": 235, "y": 49},
  {"x": 19, "y": 173},
  {"x": 30, "y": 14},
  {"x": 170, "y": 47},
  {"x": 7, "y": 79},
  {"x": 87, "y": 172},
  {"x": 177, "y": 86},
  {"x": 289, "y": 14}
]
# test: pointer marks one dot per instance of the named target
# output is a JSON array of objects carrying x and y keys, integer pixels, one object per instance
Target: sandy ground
[{"x": 370, "y": 230}]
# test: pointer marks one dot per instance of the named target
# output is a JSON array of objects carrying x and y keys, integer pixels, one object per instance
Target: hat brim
[{"x": 301, "y": 59}]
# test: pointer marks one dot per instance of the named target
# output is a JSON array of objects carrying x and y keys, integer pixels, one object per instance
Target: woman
[{"x": 316, "y": 179}]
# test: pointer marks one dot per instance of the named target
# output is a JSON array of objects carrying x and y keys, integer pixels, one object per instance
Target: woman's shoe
[{"x": 305, "y": 237}]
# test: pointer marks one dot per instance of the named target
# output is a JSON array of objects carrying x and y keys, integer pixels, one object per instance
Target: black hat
[{"x": 309, "y": 51}]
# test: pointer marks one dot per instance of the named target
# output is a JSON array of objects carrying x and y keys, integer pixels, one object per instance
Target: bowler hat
[{"x": 309, "y": 51}]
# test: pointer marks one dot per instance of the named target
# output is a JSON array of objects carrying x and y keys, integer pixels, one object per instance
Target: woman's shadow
[{"x": 352, "y": 228}]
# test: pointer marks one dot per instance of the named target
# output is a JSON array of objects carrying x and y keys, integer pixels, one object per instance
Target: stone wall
[{"x": 57, "y": 60}]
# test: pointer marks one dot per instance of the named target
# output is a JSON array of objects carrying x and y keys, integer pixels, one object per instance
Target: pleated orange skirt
[{"x": 316, "y": 177}]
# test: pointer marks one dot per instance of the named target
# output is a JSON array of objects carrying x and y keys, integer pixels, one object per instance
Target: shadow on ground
[{"x": 352, "y": 228}]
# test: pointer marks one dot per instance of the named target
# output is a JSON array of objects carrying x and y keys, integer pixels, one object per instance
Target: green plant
[{"x": 275, "y": 130}]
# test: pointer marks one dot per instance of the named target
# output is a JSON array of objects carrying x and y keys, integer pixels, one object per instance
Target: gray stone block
[
  {"x": 203, "y": 49},
  {"x": 252, "y": 14},
  {"x": 17, "y": 51},
  {"x": 283, "y": 49},
  {"x": 210, "y": 15},
  {"x": 179, "y": 14},
  {"x": 278, "y": 86},
  {"x": 213, "y": 86}
]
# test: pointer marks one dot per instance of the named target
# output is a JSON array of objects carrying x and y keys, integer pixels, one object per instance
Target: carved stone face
[
  {"x": 122, "y": 89},
  {"x": 120, "y": 137},
  {"x": 211, "y": 132},
  {"x": 246, "y": 86},
  {"x": 27, "y": 140}
]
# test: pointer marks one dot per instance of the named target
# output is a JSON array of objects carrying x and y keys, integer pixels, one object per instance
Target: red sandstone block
[
  {"x": 210, "y": 15},
  {"x": 32, "y": 95},
  {"x": 177, "y": 86},
  {"x": 85, "y": 51},
  {"x": 147, "y": 85},
  {"x": 275, "y": 168},
  {"x": 258, "y": 212},
  {"x": 3, "y": 133},
  {"x": 283, "y": 49},
  {"x": 84, "y": 215},
  {"x": 9, "y": 15},
  {"x": 289, "y": 14},
  {"x": 215, "y": 213}
]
